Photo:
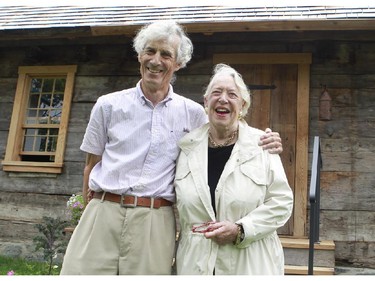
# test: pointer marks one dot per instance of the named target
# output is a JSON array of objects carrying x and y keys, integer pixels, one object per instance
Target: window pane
[
  {"x": 57, "y": 101},
  {"x": 60, "y": 85},
  {"x": 42, "y": 132},
  {"x": 34, "y": 101},
  {"x": 31, "y": 116},
  {"x": 41, "y": 140},
  {"x": 32, "y": 112},
  {"x": 45, "y": 101},
  {"x": 57, "y": 104},
  {"x": 30, "y": 132},
  {"x": 40, "y": 144},
  {"x": 48, "y": 85},
  {"x": 53, "y": 132},
  {"x": 52, "y": 142},
  {"x": 36, "y": 85},
  {"x": 44, "y": 108},
  {"x": 28, "y": 144}
]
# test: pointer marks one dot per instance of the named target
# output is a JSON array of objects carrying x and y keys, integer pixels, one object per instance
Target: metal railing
[{"x": 314, "y": 202}]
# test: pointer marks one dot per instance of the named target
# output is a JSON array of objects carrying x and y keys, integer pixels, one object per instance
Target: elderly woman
[{"x": 232, "y": 195}]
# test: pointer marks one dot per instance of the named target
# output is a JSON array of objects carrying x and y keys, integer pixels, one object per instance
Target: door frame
[{"x": 303, "y": 62}]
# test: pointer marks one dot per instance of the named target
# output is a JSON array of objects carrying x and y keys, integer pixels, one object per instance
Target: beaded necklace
[{"x": 227, "y": 142}]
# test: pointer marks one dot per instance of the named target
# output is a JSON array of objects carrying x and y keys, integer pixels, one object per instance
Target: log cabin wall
[{"x": 343, "y": 61}]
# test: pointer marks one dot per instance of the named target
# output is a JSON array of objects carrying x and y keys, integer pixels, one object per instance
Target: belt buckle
[{"x": 128, "y": 205}]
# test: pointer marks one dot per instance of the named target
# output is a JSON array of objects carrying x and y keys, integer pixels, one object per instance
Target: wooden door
[{"x": 279, "y": 86}]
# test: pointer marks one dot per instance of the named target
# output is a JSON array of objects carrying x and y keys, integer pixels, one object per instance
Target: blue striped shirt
[{"x": 138, "y": 142}]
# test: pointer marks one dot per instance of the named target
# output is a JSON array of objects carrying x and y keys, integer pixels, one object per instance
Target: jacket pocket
[{"x": 256, "y": 173}]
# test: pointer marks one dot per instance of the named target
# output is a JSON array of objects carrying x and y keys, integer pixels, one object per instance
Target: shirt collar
[{"x": 144, "y": 100}]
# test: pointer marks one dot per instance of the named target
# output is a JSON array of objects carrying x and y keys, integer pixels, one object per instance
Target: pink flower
[{"x": 10, "y": 272}]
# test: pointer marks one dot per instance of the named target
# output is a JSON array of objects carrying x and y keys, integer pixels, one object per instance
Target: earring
[
  {"x": 206, "y": 109},
  {"x": 240, "y": 117}
]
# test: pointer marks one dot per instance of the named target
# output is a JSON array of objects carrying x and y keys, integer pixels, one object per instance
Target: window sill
[{"x": 32, "y": 167}]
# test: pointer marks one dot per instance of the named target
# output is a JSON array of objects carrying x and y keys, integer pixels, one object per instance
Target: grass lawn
[{"x": 23, "y": 267}]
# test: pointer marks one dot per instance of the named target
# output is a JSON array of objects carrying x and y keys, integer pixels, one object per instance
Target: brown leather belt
[{"x": 129, "y": 201}]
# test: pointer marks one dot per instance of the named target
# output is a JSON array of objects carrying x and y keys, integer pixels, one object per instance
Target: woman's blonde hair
[{"x": 222, "y": 68}]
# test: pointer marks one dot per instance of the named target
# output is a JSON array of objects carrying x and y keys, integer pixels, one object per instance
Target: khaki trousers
[{"x": 112, "y": 240}]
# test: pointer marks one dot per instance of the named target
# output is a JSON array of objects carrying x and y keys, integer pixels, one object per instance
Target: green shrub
[{"x": 51, "y": 239}]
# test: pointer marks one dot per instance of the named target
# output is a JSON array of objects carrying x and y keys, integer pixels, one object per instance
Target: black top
[{"x": 217, "y": 158}]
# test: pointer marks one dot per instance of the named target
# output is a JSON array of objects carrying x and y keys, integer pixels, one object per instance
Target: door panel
[
  {"x": 279, "y": 100},
  {"x": 273, "y": 94}
]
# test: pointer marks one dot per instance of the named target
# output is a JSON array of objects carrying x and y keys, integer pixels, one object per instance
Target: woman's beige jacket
[{"x": 252, "y": 191}]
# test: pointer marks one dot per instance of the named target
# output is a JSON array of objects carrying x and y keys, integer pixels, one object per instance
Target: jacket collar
[{"x": 247, "y": 142}]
